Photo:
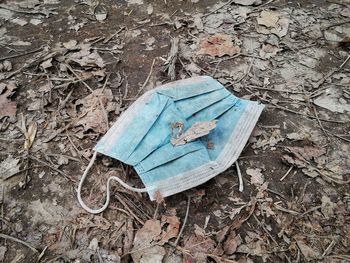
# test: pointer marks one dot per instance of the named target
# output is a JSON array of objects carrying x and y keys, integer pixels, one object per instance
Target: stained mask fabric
[{"x": 142, "y": 135}]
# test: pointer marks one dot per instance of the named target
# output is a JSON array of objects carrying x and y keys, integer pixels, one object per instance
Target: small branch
[
  {"x": 147, "y": 79},
  {"x": 2, "y": 235},
  {"x": 184, "y": 223},
  {"x": 285, "y": 175},
  {"x": 239, "y": 177},
  {"x": 22, "y": 54}
]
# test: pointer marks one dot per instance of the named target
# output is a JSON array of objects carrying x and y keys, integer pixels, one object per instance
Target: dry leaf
[
  {"x": 308, "y": 252},
  {"x": 268, "y": 18},
  {"x": 9, "y": 167},
  {"x": 269, "y": 51},
  {"x": 272, "y": 22},
  {"x": 256, "y": 176},
  {"x": 172, "y": 230},
  {"x": 8, "y": 108},
  {"x": 197, "y": 130},
  {"x": 101, "y": 16},
  {"x": 306, "y": 153},
  {"x": 327, "y": 207},
  {"x": 218, "y": 45},
  {"x": 199, "y": 247},
  {"x": 145, "y": 246},
  {"x": 95, "y": 109}
]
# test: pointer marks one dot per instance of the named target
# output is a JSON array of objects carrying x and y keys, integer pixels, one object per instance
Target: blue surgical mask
[{"x": 143, "y": 136}]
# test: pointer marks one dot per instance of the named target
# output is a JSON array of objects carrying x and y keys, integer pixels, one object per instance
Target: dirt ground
[{"x": 68, "y": 69}]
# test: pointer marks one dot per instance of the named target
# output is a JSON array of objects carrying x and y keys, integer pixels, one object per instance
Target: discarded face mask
[{"x": 178, "y": 136}]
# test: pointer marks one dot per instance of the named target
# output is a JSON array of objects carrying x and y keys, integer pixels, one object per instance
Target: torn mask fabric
[{"x": 148, "y": 135}]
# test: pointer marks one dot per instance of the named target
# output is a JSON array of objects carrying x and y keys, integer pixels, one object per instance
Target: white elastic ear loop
[{"x": 96, "y": 211}]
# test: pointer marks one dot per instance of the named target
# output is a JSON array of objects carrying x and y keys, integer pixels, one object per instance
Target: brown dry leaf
[
  {"x": 172, "y": 230},
  {"x": 218, "y": 45},
  {"x": 308, "y": 252},
  {"x": 306, "y": 153},
  {"x": 256, "y": 176},
  {"x": 231, "y": 244},
  {"x": 95, "y": 109},
  {"x": 146, "y": 249},
  {"x": 268, "y": 18},
  {"x": 269, "y": 51},
  {"x": 272, "y": 22},
  {"x": 8, "y": 108},
  {"x": 199, "y": 247},
  {"x": 327, "y": 207}
]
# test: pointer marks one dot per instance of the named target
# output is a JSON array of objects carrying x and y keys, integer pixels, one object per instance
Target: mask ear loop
[{"x": 97, "y": 211}]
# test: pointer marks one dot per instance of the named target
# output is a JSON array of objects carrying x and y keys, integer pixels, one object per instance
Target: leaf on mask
[
  {"x": 197, "y": 130},
  {"x": 30, "y": 135}
]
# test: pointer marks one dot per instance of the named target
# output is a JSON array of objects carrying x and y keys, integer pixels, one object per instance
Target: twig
[
  {"x": 239, "y": 177},
  {"x": 31, "y": 12},
  {"x": 21, "y": 171},
  {"x": 77, "y": 76},
  {"x": 319, "y": 83},
  {"x": 147, "y": 79},
  {"x": 52, "y": 167},
  {"x": 321, "y": 126},
  {"x": 184, "y": 223},
  {"x": 264, "y": 228},
  {"x": 113, "y": 35},
  {"x": 217, "y": 9},
  {"x": 328, "y": 249},
  {"x": 22, "y": 54},
  {"x": 310, "y": 210},
  {"x": 2, "y": 235},
  {"x": 285, "y": 175},
  {"x": 129, "y": 210}
]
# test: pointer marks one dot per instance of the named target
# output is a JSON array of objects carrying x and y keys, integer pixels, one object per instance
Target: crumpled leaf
[
  {"x": 145, "y": 243},
  {"x": 272, "y": 22},
  {"x": 172, "y": 231},
  {"x": 199, "y": 247},
  {"x": 308, "y": 252},
  {"x": 9, "y": 167},
  {"x": 256, "y": 176},
  {"x": 269, "y": 51},
  {"x": 327, "y": 207},
  {"x": 197, "y": 130},
  {"x": 95, "y": 109},
  {"x": 8, "y": 108},
  {"x": 306, "y": 153},
  {"x": 85, "y": 57},
  {"x": 101, "y": 16},
  {"x": 331, "y": 100},
  {"x": 218, "y": 45}
]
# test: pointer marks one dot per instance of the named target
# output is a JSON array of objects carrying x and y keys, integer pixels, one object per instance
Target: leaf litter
[{"x": 71, "y": 89}]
